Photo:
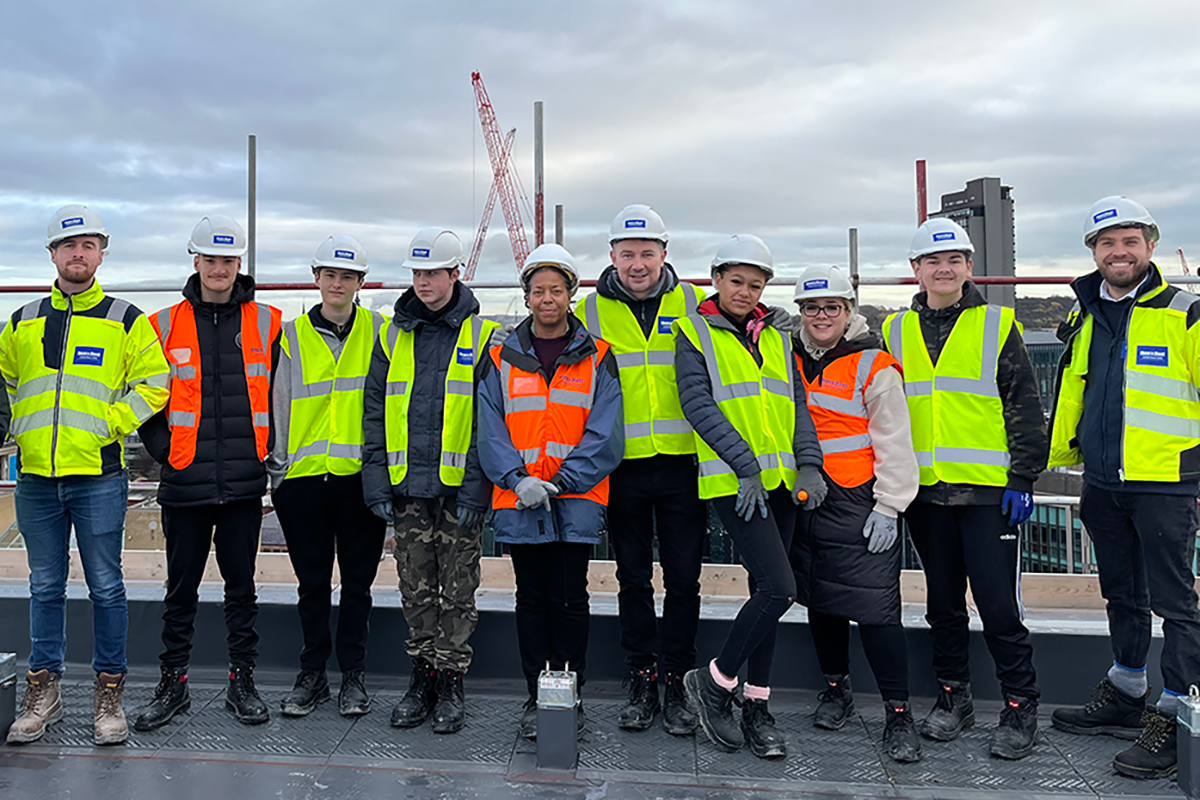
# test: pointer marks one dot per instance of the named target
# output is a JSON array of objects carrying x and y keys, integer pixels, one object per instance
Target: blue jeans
[{"x": 47, "y": 509}]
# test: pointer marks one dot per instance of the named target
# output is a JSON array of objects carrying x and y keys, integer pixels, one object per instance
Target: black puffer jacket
[{"x": 226, "y": 466}]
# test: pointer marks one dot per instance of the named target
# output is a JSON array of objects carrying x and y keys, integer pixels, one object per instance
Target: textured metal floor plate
[
  {"x": 605, "y": 747},
  {"x": 1092, "y": 756},
  {"x": 487, "y": 738}
]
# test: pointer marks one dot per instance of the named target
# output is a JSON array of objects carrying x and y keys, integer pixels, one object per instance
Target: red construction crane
[
  {"x": 485, "y": 220},
  {"x": 502, "y": 183}
]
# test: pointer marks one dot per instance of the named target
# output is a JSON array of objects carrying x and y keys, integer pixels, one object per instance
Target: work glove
[
  {"x": 533, "y": 492},
  {"x": 751, "y": 494},
  {"x": 383, "y": 510},
  {"x": 469, "y": 518},
  {"x": 1018, "y": 506},
  {"x": 810, "y": 488},
  {"x": 881, "y": 531}
]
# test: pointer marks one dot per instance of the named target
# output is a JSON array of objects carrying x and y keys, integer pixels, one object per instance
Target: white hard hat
[
  {"x": 817, "y": 282},
  {"x": 550, "y": 255},
  {"x": 435, "y": 248},
  {"x": 217, "y": 235},
  {"x": 341, "y": 252},
  {"x": 939, "y": 235},
  {"x": 75, "y": 220},
  {"x": 1118, "y": 211},
  {"x": 638, "y": 222},
  {"x": 748, "y": 249}
]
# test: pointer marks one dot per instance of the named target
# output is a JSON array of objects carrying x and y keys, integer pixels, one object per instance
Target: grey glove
[
  {"x": 809, "y": 481},
  {"x": 533, "y": 492},
  {"x": 882, "y": 531},
  {"x": 469, "y": 518},
  {"x": 383, "y": 510},
  {"x": 751, "y": 493}
]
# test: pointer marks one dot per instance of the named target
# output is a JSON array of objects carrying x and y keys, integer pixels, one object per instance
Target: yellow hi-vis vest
[
  {"x": 955, "y": 408},
  {"x": 73, "y": 406},
  {"x": 458, "y": 413},
  {"x": 325, "y": 423},
  {"x": 760, "y": 403},
  {"x": 654, "y": 421},
  {"x": 1162, "y": 403}
]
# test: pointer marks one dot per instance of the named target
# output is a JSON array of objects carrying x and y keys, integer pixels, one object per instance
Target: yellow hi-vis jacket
[
  {"x": 458, "y": 415},
  {"x": 654, "y": 421},
  {"x": 325, "y": 418},
  {"x": 82, "y": 371},
  {"x": 1162, "y": 398},
  {"x": 955, "y": 408},
  {"x": 760, "y": 403}
]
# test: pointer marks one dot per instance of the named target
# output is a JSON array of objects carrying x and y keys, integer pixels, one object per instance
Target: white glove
[
  {"x": 881, "y": 530},
  {"x": 533, "y": 492}
]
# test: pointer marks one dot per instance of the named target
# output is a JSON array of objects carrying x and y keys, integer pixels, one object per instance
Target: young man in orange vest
[{"x": 222, "y": 348}]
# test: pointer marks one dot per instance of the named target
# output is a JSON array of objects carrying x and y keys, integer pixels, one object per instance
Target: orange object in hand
[{"x": 801, "y": 495}]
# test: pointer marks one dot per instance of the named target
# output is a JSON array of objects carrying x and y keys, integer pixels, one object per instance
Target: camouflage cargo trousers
[{"x": 438, "y": 564}]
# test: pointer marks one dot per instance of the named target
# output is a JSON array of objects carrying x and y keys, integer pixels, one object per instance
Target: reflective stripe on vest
[
  {"x": 176, "y": 329},
  {"x": 835, "y": 401},
  {"x": 325, "y": 430},
  {"x": 955, "y": 408},
  {"x": 654, "y": 421},
  {"x": 534, "y": 412},
  {"x": 760, "y": 403},
  {"x": 458, "y": 412}
]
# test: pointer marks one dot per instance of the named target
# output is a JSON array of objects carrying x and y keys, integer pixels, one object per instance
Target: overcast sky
[{"x": 792, "y": 120}]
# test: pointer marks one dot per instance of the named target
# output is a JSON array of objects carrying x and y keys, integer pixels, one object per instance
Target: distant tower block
[{"x": 985, "y": 210}]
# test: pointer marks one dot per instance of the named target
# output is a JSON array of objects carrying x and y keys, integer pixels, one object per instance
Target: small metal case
[
  {"x": 1188, "y": 733},
  {"x": 8, "y": 691},
  {"x": 557, "y": 711}
]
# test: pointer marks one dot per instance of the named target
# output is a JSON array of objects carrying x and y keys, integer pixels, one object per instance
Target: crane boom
[{"x": 502, "y": 178}]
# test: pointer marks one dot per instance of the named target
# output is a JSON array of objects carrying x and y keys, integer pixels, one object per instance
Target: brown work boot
[
  {"x": 42, "y": 705},
  {"x": 110, "y": 727}
]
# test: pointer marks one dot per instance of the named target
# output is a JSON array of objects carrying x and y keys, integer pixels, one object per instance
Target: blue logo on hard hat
[
  {"x": 221, "y": 238},
  {"x": 466, "y": 356},
  {"x": 72, "y": 222},
  {"x": 346, "y": 254},
  {"x": 944, "y": 236},
  {"x": 420, "y": 252},
  {"x": 635, "y": 223},
  {"x": 819, "y": 283},
  {"x": 1103, "y": 215}
]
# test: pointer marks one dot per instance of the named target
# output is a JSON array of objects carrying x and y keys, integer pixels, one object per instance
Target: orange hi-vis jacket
[
  {"x": 835, "y": 401},
  {"x": 546, "y": 421},
  {"x": 176, "y": 329}
]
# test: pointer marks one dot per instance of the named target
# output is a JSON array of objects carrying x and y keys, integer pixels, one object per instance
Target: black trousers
[
  {"x": 552, "y": 607},
  {"x": 885, "y": 646},
  {"x": 762, "y": 547},
  {"x": 1144, "y": 546},
  {"x": 190, "y": 532},
  {"x": 324, "y": 515},
  {"x": 976, "y": 543},
  {"x": 648, "y": 495}
]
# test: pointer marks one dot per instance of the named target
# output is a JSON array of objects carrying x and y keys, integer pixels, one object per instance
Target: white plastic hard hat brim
[
  {"x": 817, "y": 282},
  {"x": 724, "y": 265},
  {"x": 435, "y": 248},
  {"x": 341, "y": 252},
  {"x": 640, "y": 222},
  {"x": 75, "y": 220},
  {"x": 550, "y": 255},
  {"x": 745, "y": 249},
  {"x": 218, "y": 235},
  {"x": 939, "y": 235},
  {"x": 1118, "y": 211}
]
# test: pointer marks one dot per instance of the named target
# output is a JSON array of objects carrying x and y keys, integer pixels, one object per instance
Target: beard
[{"x": 1125, "y": 281}]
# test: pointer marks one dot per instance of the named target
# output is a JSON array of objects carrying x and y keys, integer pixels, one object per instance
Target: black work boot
[
  {"x": 353, "y": 700},
  {"x": 311, "y": 689},
  {"x": 450, "y": 713},
  {"x": 1155, "y": 754},
  {"x": 678, "y": 717},
  {"x": 529, "y": 719},
  {"x": 900, "y": 740},
  {"x": 638, "y": 714},
  {"x": 1110, "y": 712},
  {"x": 171, "y": 697},
  {"x": 418, "y": 702},
  {"x": 758, "y": 726},
  {"x": 1016, "y": 734},
  {"x": 242, "y": 697},
  {"x": 837, "y": 704},
  {"x": 952, "y": 713},
  {"x": 714, "y": 706}
]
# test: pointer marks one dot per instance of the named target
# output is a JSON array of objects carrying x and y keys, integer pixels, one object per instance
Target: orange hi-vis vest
[
  {"x": 176, "y": 329},
  {"x": 835, "y": 401},
  {"x": 546, "y": 421}
]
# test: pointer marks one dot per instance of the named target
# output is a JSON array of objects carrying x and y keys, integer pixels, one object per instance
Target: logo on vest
[
  {"x": 526, "y": 385},
  {"x": 466, "y": 356},
  {"x": 1152, "y": 356},
  {"x": 89, "y": 356},
  {"x": 664, "y": 324},
  {"x": 567, "y": 380}
]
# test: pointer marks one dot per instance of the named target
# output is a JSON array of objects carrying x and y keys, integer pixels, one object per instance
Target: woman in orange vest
[
  {"x": 846, "y": 553},
  {"x": 550, "y": 430}
]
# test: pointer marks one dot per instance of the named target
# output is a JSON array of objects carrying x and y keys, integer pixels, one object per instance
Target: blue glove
[{"x": 1018, "y": 506}]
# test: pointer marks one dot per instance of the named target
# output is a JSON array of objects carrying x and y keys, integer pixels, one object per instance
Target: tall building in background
[{"x": 985, "y": 210}]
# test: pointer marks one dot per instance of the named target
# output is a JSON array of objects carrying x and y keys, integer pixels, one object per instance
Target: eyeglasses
[{"x": 832, "y": 310}]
